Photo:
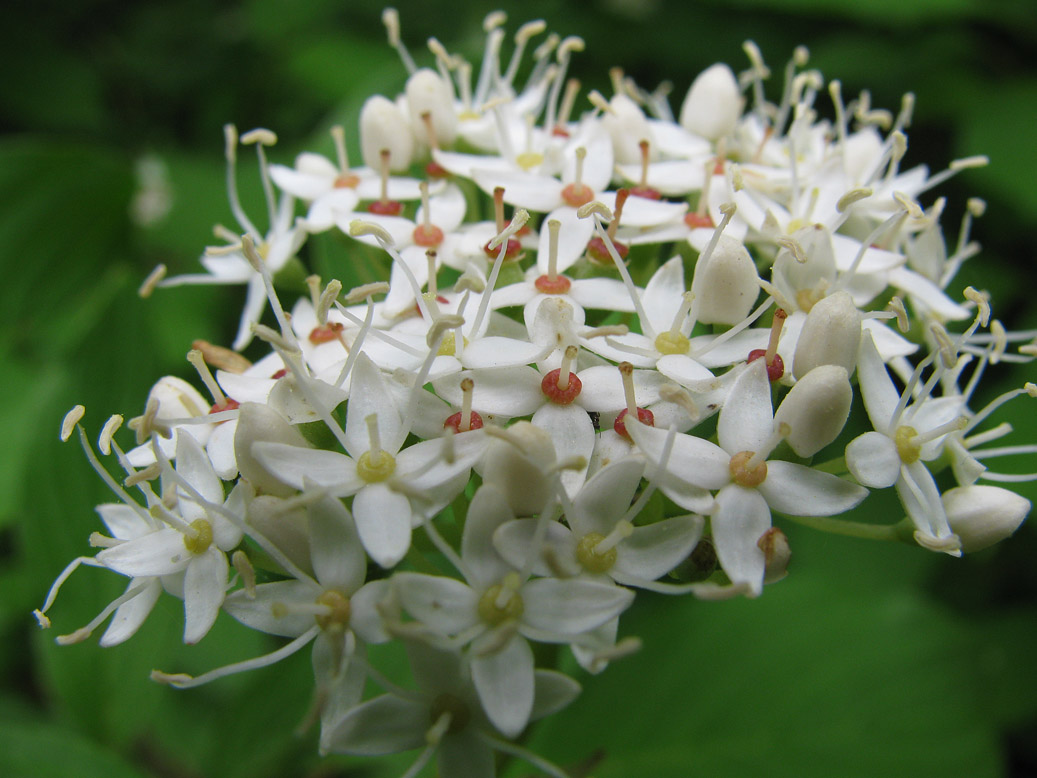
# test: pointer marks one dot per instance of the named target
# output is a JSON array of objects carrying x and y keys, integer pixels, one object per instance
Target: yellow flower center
[
  {"x": 377, "y": 468},
  {"x": 907, "y": 448},
  {"x": 339, "y": 611},
  {"x": 672, "y": 343},
  {"x": 497, "y": 606}
]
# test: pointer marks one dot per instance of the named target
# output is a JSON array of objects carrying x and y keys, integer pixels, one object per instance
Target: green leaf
[{"x": 38, "y": 749}]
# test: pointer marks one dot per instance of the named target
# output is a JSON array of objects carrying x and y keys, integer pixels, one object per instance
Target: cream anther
[
  {"x": 897, "y": 306},
  {"x": 68, "y": 424},
  {"x": 1030, "y": 388},
  {"x": 518, "y": 221},
  {"x": 470, "y": 280},
  {"x": 260, "y": 135},
  {"x": 248, "y": 248},
  {"x": 678, "y": 395},
  {"x": 274, "y": 338},
  {"x": 358, "y": 228},
  {"x": 446, "y": 322},
  {"x": 573, "y": 43},
  {"x": 794, "y": 248},
  {"x": 752, "y": 51},
  {"x": 239, "y": 559},
  {"x": 970, "y": 162},
  {"x": 230, "y": 143},
  {"x": 982, "y": 303},
  {"x": 851, "y": 197},
  {"x": 391, "y": 21},
  {"x": 626, "y": 370},
  {"x": 152, "y": 281},
  {"x": 493, "y": 20},
  {"x": 997, "y": 330},
  {"x": 148, "y": 473},
  {"x": 606, "y": 331},
  {"x": 530, "y": 30},
  {"x": 598, "y": 100},
  {"x": 104, "y": 440},
  {"x": 327, "y": 299},
  {"x": 976, "y": 206},
  {"x": 366, "y": 291},
  {"x": 594, "y": 207},
  {"x": 914, "y": 210},
  {"x": 222, "y": 357}
]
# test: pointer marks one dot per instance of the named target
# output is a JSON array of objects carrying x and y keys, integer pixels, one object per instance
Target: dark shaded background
[{"x": 868, "y": 660}]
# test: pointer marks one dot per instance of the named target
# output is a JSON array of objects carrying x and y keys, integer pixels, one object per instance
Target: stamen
[
  {"x": 71, "y": 420},
  {"x": 897, "y": 306},
  {"x": 678, "y": 395},
  {"x": 576, "y": 194},
  {"x": 643, "y": 189},
  {"x": 194, "y": 356},
  {"x": 152, "y": 281},
  {"x": 775, "y": 365},
  {"x": 247, "y": 572},
  {"x": 782, "y": 430},
  {"x": 230, "y": 136},
  {"x": 261, "y": 138},
  {"x": 572, "y": 88},
  {"x": 622, "y": 531},
  {"x": 104, "y": 441},
  {"x": 391, "y": 20},
  {"x": 376, "y": 442},
  {"x": 643, "y": 415}
]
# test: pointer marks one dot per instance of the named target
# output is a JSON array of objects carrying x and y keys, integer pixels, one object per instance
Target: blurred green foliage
[{"x": 868, "y": 660}]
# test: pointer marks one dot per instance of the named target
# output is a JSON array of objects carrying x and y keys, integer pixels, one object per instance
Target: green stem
[{"x": 853, "y": 529}]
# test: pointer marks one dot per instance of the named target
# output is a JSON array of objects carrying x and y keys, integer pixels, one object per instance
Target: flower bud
[
  {"x": 725, "y": 284},
  {"x": 982, "y": 515},
  {"x": 713, "y": 104},
  {"x": 257, "y": 422},
  {"x": 519, "y": 467},
  {"x": 428, "y": 93},
  {"x": 805, "y": 273},
  {"x": 383, "y": 126},
  {"x": 627, "y": 127},
  {"x": 776, "y": 553},
  {"x": 286, "y": 528},
  {"x": 830, "y": 336},
  {"x": 816, "y": 409}
]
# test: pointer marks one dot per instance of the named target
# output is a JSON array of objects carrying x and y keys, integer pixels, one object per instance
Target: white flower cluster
[{"x": 497, "y": 445}]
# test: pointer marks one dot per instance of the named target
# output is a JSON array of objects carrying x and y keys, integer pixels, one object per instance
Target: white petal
[
  {"x": 383, "y": 520},
  {"x": 746, "y": 420},
  {"x": 504, "y": 391},
  {"x": 603, "y": 388},
  {"x": 205, "y": 585},
  {"x": 691, "y": 460},
  {"x": 384, "y": 725},
  {"x": 259, "y": 612},
  {"x": 492, "y": 352},
  {"x": 553, "y": 692},
  {"x": 873, "y": 460},
  {"x": 741, "y": 517},
  {"x": 606, "y": 497},
  {"x": 801, "y": 491},
  {"x": 131, "y": 614},
  {"x": 606, "y": 294},
  {"x": 655, "y": 549},
  {"x": 571, "y": 607},
  {"x": 487, "y": 511},
  {"x": 369, "y": 394},
  {"x": 335, "y": 551},
  {"x": 513, "y": 540},
  {"x": 664, "y": 293},
  {"x": 298, "y": 466},
  {"x": 504, "y": 681},
  {"x": 161, "y": 552},
  {"x": 572, "y": 433},
  {"x": 525, "y": 190},
  {"x": 442, "y": 604}
]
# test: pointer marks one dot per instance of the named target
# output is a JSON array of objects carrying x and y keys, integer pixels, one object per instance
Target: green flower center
[
  {"x": 907, "y": 448},
  {"x": 338, "y": 613},
  {"x": 202, "y": 539},
  {"x": 672, "y": 343},
  {"x": 592, "y": 561},
  {"x": 497, "y": 605}
]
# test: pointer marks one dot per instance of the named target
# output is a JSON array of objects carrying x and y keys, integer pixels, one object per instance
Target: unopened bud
[
  {"x": 830, "y": 336},
  {"x": 982, "y": 515},
  {"x": 427, "y": 93},
  {"x": 816, "y": 409},
  {"x": 519, "y": 464},
  {"x": 725, "y": 283},
  {"x": 776, "y": 554},
  {"x": 713, "y": 104},
  {"x": 383, "y": 126},
  {"x": 257, "y": 422}
]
